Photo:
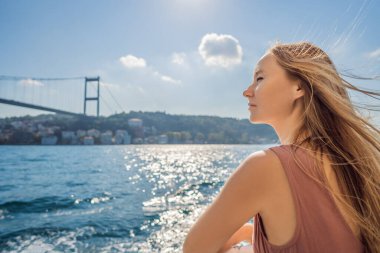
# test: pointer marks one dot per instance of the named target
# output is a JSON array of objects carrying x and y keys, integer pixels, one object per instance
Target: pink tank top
[{"x": 320, "y": 227}]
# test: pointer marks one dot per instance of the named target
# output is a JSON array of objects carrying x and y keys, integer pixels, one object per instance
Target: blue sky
[{"x": 190, "y": 57}]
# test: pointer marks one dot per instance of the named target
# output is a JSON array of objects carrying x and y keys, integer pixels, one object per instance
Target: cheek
[{"x": 272, "y": 99}]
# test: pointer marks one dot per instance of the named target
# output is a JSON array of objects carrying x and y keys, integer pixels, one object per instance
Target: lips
[{"x": 251, "y": 106}]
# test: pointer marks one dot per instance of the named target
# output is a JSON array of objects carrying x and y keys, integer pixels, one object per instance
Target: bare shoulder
[
  {"x": 271, "y": 178},
  {"x": 262, "y": 163},
  {"x": 246, "y": 192},
  {"x": 260, "y": 172}
]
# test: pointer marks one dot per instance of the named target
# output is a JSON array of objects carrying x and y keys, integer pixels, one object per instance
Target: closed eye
[{"x": 259, "y": 78}]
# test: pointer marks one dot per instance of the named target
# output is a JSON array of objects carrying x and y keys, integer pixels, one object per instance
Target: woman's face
[{"x": 272, "y": 93}]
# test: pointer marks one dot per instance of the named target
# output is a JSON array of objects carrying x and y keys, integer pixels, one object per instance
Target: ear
[{"x": 298, "y": 90}]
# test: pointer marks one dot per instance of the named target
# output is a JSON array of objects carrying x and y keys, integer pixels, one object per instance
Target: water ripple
[{"x": 134, "y": 198}]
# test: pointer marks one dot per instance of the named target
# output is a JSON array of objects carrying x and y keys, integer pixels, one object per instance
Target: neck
[{"x": 287, "y": 129}]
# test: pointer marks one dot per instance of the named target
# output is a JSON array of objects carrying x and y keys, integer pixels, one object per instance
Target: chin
[{"x": 254, "y": 120}]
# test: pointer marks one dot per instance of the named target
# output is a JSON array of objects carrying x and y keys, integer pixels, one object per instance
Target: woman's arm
[
  {"x": 245, "y": 194},
  {"x": 243, "y": 234}
]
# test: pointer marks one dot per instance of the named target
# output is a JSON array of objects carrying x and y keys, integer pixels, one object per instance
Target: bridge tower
[{"x": 89, "y": 80}]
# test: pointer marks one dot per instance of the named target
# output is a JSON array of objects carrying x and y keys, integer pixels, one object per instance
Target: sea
[{"x": 124, "y": 198}]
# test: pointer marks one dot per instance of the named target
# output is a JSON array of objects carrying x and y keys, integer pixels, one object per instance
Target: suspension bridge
[{"x": 75, "y": 96}]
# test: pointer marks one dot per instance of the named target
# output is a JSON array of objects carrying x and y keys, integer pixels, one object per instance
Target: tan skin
[
  {"x": 277, "y": 104},
  {"x": 276, "y": 98},
  {"x": 270, "y": 84},
  {"x": 283, "y": 110}
]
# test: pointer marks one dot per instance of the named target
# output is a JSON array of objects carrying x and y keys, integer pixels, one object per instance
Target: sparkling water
[{"x": 131, "y": 198}]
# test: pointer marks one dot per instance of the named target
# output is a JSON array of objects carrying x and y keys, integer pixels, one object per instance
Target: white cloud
[
  {"x": 141, "y": 90},
  {"x": 178, "y": 58},
  {"x": 170, "y": 80},
  {"x": 130, "y": 61},
  {"x": 374, "y": 54},
  {"x": 167, "y": 78},
  {"x": 220, "y": 50},
  {"x": 31, "y": 82},
  {"x": 109, "y": 85}
]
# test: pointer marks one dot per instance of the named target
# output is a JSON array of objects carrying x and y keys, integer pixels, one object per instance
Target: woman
[{"x": 316, "y": 192}]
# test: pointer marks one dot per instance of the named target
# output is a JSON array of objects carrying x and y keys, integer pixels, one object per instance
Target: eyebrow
[{"x": 258, "y": 72}]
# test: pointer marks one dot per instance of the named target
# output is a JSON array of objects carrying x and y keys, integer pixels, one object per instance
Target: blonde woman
[{"x": 319, "y": 191}]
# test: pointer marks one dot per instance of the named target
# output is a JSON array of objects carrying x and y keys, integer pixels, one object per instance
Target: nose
[{"x": 248, "y": 92}]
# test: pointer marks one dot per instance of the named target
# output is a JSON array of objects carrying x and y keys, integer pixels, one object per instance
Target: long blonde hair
[{"x": 337, "y": 129}]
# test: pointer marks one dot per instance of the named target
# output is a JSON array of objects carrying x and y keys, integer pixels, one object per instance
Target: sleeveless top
[{"x": 320, "y": 227}]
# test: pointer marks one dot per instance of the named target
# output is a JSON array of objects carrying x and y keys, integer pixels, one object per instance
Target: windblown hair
[{"x": 336, "y": 128}]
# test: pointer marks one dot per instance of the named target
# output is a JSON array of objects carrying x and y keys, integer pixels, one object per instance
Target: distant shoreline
[{"x": 132, "y": 128}]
